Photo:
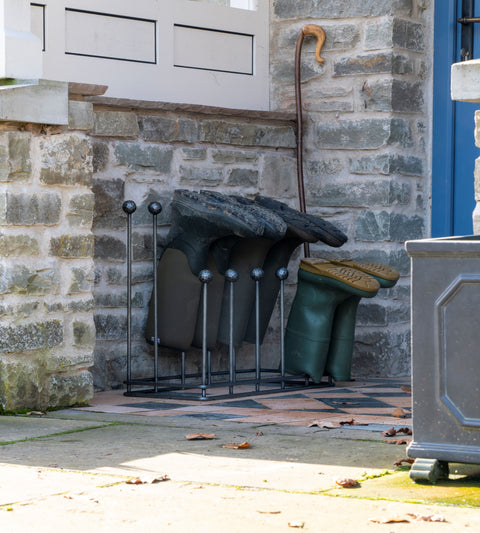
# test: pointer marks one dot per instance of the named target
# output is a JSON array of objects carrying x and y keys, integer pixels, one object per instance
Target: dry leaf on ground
[
  {"x": 428, "y": 518},
  {"x": 399, "y": 413},
  {"x": 391, "y": 520},
  {"x": 398, "y": 441},
  {"x": 333, "y": 424},
  {"x": 406, "y": 389},
  {"x": 346, "y": 482},
  {"x": 160, "y": 479},
  {"x": 401, "y": 461},
  {"x": 268, "y": 512},
  {"x": 389, "y": 432},
  {"x": 200, "y": 436},
  {"x": 36, "y": 413},
  {"x": 296, "y": 524},
  {"x": 235, "y": 446},
  {"x": 137, "y": 481},
  {"x": 405, "y": 430}
]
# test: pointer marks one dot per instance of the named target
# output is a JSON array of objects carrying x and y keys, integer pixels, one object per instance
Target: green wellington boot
[
  {"x": 339, "y": 359},
  {"x": 321, "y": 288}
]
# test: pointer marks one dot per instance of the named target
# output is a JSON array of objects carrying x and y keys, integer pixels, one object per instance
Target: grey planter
[{"x": 445, "y": 354}]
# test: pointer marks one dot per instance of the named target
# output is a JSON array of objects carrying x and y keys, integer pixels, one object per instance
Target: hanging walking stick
[{"x": 318, "y": 32}]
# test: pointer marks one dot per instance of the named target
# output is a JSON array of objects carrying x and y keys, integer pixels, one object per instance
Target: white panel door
[{"x": 162, "y": 50}]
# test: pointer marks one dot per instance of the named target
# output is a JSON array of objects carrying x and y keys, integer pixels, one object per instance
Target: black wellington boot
[
  {"x": 196, "y": 222},
  {"x": 301, "y": 228},
  {"x": 246, "y": 255}
]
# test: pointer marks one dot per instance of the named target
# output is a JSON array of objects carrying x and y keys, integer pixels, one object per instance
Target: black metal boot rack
[{"x": 228, "y": 383}]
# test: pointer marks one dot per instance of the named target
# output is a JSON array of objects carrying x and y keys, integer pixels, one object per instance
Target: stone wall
[
  {"x": 367, "y": 140},
  {"x": 47, "y": 332},
  {"x": 143, "y": 152}
]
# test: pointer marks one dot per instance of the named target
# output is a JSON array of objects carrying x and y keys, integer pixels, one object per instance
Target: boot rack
[{"x": 228, "y": 383}]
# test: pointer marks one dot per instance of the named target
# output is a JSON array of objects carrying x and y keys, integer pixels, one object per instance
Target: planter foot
[{"x": 428, "y": 470}]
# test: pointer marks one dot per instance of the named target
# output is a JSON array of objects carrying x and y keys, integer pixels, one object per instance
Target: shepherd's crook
[{"x": 317, "y": 31}]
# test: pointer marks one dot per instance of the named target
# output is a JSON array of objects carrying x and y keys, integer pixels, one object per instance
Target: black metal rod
[
  {"x": 155, "y": 208},
  {"x": 205, "y": 276},
  {"x": 282, "y": 275},
  {"x": 231, "y": 276},
  {"x": 129, "y": 207},
  {"x": 257, "y": 275},
  {"x": 467, "y": 20},
  {"x": 182, "y": 378}
]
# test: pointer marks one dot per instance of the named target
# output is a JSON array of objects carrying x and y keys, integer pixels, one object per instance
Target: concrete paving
[{"x": 75, "y": 469}]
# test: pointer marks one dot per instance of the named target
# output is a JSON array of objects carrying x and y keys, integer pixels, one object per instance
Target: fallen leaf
[
  {"x": 407, "y": 431},
  {"x": 346, "y": 482},
  {"x": 137, "y": 481},
  {"x": 401, "y": 461},
  {"x": 296, "y": 524},
  {"x": 268, "y": 512},
  {"x": 333, "y": 424},
  {"x": 428, "y": 518},
  {"x": 399, "y": 413},
  {"x": 200, "y": 436},
  {"x": 406, "y": 389},
  {"x": 36, "y": 413},
  {"x": 392, "y": 520},
  {"x": 235, "y": 446},
  {"x": 160, "y": 479},
  {"x": 259, "y": 433},
  {"x": 389, "y": 432},
  {"x": 398, "y": 441}
]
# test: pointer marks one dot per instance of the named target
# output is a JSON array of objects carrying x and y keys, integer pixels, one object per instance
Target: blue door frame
[{"x": 453, "y": 152}]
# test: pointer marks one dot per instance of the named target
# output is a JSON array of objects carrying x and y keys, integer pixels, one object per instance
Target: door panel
[{"x": 454, "y": 150}]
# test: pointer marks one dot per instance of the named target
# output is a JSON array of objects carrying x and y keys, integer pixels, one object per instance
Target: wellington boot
[
  {"x": 197, "y": 221},
  {"x": 321, "y": 288},
  {"x": 178, "y": 291},
  {"x": 340, "y": 352}
]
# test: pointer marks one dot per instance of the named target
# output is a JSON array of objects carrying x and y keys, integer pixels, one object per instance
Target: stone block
[
  {"x": 246, "y": 134},
  {"x": 231, "y": 157},
  {"x": 338, "y": 37},
  {"x": 23, "y": 280},
  {"x": 18, "y": 245},
  {"x": 81, "y": 280},
  {"x": 403, "y": 227},
  {"x": 83, "y": 334},
  {"x": 108, "y": 247},
  {"x": 33, "y": 336},
  {"x": 367, "y": 134},
  {"x": 70, "y": 389},
  {"x": 138, "y": 157},
  {"x": 21, "y": 384},
  {"x": 360, "y": 194},
  {"x": 110, "y": 327},
  {"x": 201, "y": 176},
  {"x": 15, "y": 156},
  {"x": 69, "y": 246},
  {"x": 400, "y": 193},
  {"x": 67, "y": 361},
  {"x": 393, "y": 95},
  {"x": 109, "y": 195},
  {"x": 118, "y": 300},
  {"x": 101, "y": 155},
  {"x": 167, "y": 129},
  {"x": 142, "y": 214},
  {"x": 66, "y": 159},
  {"x": 32, "y": 209},
  {"x": 408, "y": 35},
  {"x": 80, "y": 210},
  {"x": 339, "y": 9},
  {"x": 376, "y": 63},
  {"x": 81, "y": 306},
  {"x": 371, "y": 314},
  {"x": 284, "y": 72},
  {"x": 80, "y": 115},
  {"x": 279, "y": 176},
  {"x": 242, "y": 177},
  {"x": 387, "y": 164},
  {"x": 194, "y": 154},
  {"x": 372, "y": 226},
  {"x": 115, "y": 124},
  {"x": 324, "y": 167}
]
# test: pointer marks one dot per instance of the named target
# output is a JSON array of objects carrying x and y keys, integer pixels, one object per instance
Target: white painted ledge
[
  {"x": 40, "y": 101},
  {"x": 465, "y": 82}
]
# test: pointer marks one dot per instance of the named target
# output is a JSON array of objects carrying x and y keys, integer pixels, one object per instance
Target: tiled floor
[{"x": 367, "y": 401}]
